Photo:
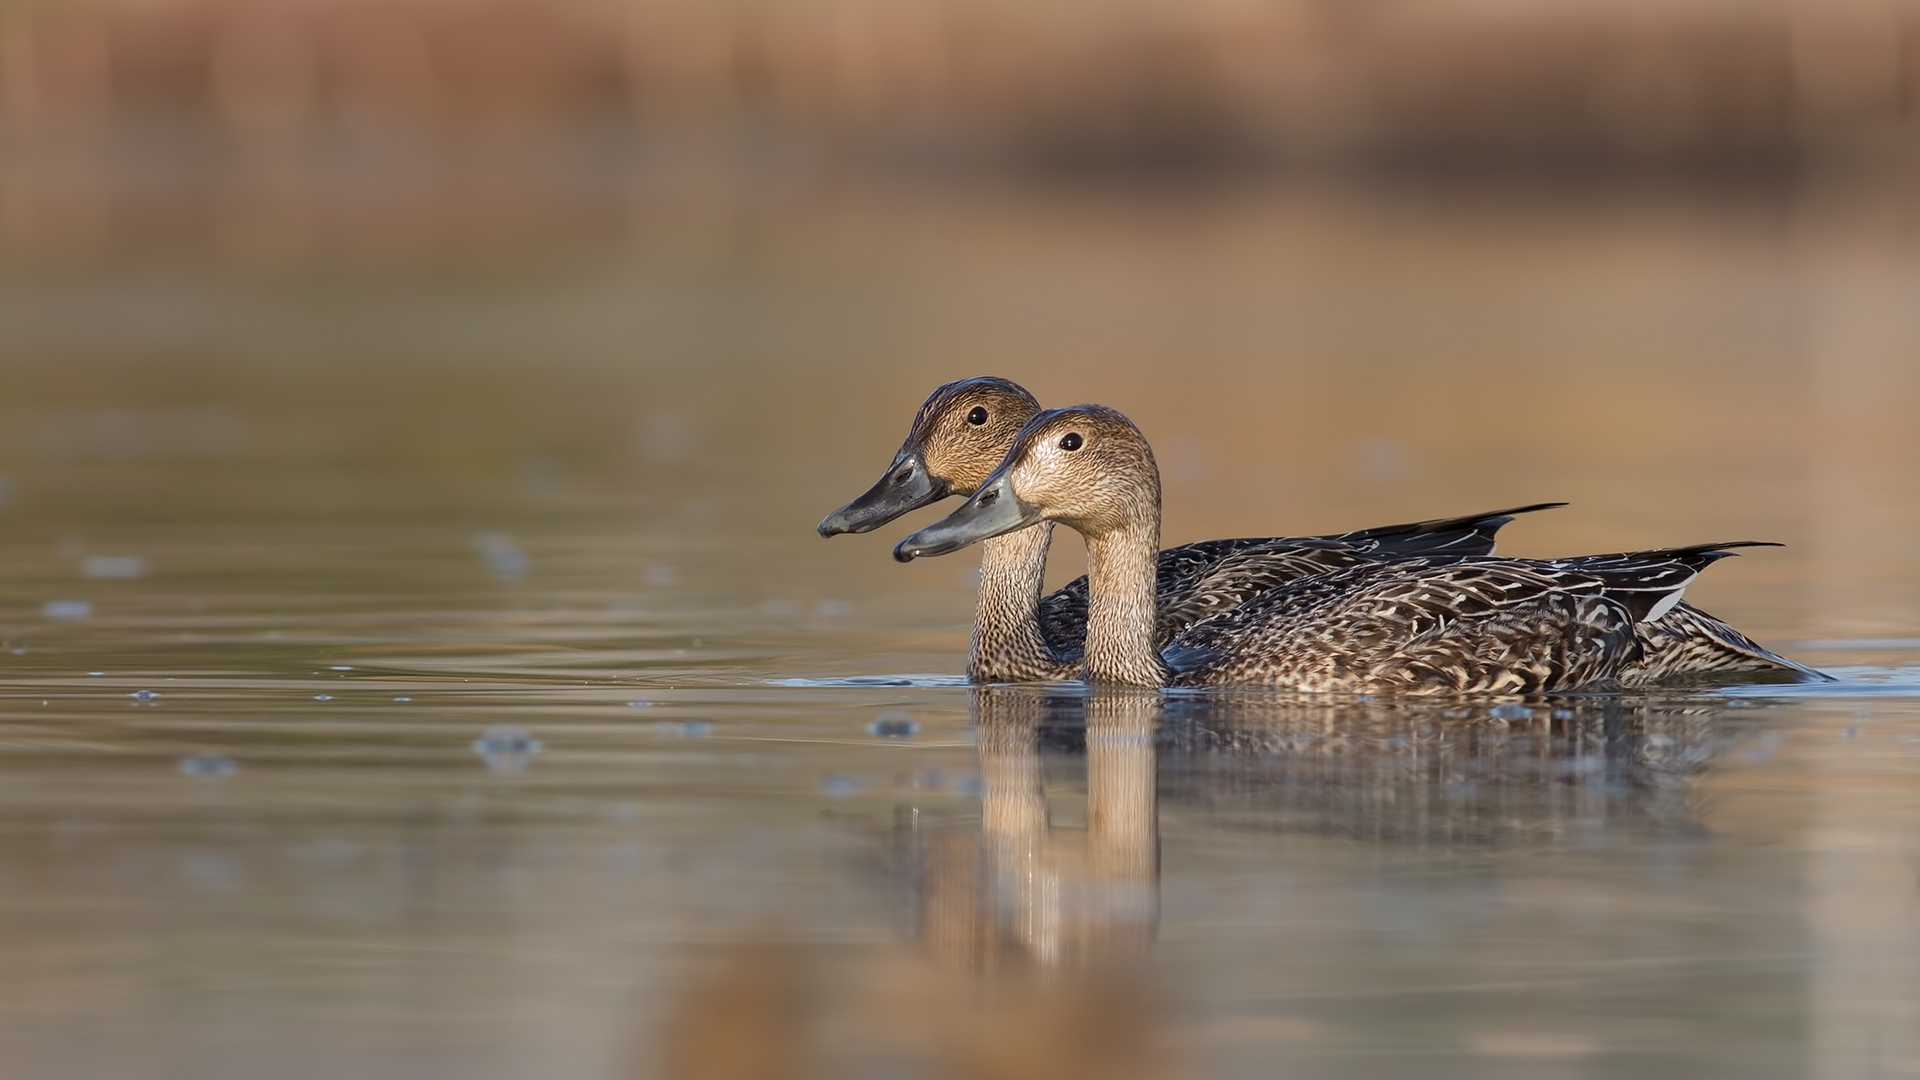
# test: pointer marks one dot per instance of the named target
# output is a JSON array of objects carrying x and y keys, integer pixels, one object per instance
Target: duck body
[
  {"x": 1417, "y": 622},
  {"x": 961, "y": 433},
  {"x": 964, "y": 430},
  {"x": 1017, "y": 639},
  {"x": 1463, "y": 625}
]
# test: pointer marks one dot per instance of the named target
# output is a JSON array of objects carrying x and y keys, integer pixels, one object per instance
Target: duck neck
[
  {"x": 1007, "y": 646},
  {"x": 1121, "y": 570}
]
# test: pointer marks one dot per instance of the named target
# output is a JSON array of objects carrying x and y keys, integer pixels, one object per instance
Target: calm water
[{"x": 423, "y": 671}]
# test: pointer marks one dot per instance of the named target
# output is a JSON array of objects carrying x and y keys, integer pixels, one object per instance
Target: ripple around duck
[{"x": 875, "y": 680}]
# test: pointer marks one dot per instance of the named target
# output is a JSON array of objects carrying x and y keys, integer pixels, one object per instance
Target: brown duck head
[
  {"x": 957, "y": 438},
  {"x": 1086, "y": 467}
]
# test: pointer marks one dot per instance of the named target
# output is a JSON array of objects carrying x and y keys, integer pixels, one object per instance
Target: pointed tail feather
[
  {"x": 1471, "y": 534},
  {"x": 1651, "y": 582}
]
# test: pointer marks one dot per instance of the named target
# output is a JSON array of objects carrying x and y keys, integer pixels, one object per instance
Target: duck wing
[
  {"x": 1444, "y": 624},
  {"x": 1200, "y": 579}
]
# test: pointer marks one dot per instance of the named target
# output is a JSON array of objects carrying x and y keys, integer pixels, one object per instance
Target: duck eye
[
  {"x": 1071, "y": 441},
  {"x": 977, "y": 417}
]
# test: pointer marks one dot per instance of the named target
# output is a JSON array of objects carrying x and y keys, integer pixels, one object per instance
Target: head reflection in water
[{"x": 1023, "y": 895}]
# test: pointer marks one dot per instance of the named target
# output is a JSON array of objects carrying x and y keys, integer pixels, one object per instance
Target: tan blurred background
[{"x": 1346, "y": 262}]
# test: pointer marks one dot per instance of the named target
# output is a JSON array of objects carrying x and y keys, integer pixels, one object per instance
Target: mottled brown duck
[
  {"x": 1420, "y": 624},
  {"x": 959, "y": 436}
]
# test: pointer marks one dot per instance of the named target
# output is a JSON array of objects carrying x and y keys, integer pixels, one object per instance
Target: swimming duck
[
  {"x": 961, "y": 433},
  {"x": 1420, "y": 624}
]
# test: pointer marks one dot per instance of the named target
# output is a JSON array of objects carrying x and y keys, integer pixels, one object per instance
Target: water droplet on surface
[
  {"x": 143, "y": 695},
  {"x": 65, "y": 609},
  {"x": 207, "y": 765},
  {"x": 340, "y": 667},
  {"x": 893, "y": 725},
  {"x": 506, "y": 748},
  {"x": 639, "y": 704},
  {"x": 113, "y": 566},
  {"x": 403, "y": 699},
  {"x": 844, "y": 785},
  {"x": 505, "y": 558},
  {"x": 323, "y": 697}
]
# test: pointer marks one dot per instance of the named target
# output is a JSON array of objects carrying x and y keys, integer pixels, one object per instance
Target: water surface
[{"x": 428, "y": 673}]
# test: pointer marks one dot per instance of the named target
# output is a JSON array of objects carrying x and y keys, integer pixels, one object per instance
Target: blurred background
[
  {"x": 412, "y": 342},
  {"x": 1346, "y": 262}
]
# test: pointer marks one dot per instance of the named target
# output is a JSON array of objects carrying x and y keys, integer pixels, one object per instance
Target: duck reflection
[
  {"x": 1475, "y": 773},
  {"x": 1039, "y": 932},
  {"x": 1024, "y": 894}
]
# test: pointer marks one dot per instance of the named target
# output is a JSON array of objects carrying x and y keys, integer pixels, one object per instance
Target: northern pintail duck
[
  {"x": 961, "y": 433},
  {"x": 1419, "y": 624}
]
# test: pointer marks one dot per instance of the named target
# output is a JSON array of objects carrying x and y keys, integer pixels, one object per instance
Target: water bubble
[
  {"x": 505, "y": 558},
  {"x": 506, "y": 748},
  {"x": 113, "y": 566},
  {"x": 67, "y": 609},
  {"x": 844, "y": 785},
  {"x": 143, "y": 695},
  {"x": 207, "y": 765},
  {"x": 403, "y": 699},
  {"x": 639, "y": 704},
  {"x": 341, "y": 667},
  {"x": 893, "y": 724},
  {"x": 323, "y": 697}
]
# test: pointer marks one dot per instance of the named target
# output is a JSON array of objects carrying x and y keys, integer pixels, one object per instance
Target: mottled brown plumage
[
  {"x": 1416, "y": 624},
  {"x": 960, "y": 434}
]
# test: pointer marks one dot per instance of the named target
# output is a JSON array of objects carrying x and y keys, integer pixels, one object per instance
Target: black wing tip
[
  {"x": 1492, "y": 519},
  {"x": 1485, "y": 523},
  {"x": 1706, "y": 552}
]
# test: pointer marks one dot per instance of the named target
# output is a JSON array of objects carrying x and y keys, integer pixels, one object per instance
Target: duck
[
  {"x": 959, "y": 436},
  {"x": 1421, "y": 624}
]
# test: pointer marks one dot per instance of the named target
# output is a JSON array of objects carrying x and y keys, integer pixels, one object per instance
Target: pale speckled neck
[
  {"x": 1120, "y": 606},
  {"x": 1007, "y": 646}
]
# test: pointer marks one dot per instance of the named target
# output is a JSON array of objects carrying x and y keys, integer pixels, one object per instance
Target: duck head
[
  {"x": 1086, "y": 467},
  {"x": 957, "y": 438}
]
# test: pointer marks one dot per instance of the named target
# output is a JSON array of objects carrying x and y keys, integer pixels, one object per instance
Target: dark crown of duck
[
  {"x": 1087, "y": 467},
  {"x": 954, "y": 443}
]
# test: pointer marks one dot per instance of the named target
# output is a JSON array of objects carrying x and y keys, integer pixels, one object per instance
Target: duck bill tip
[
  {"x": 835, "y": 524},
  {"x": 906, "y": 487}
]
